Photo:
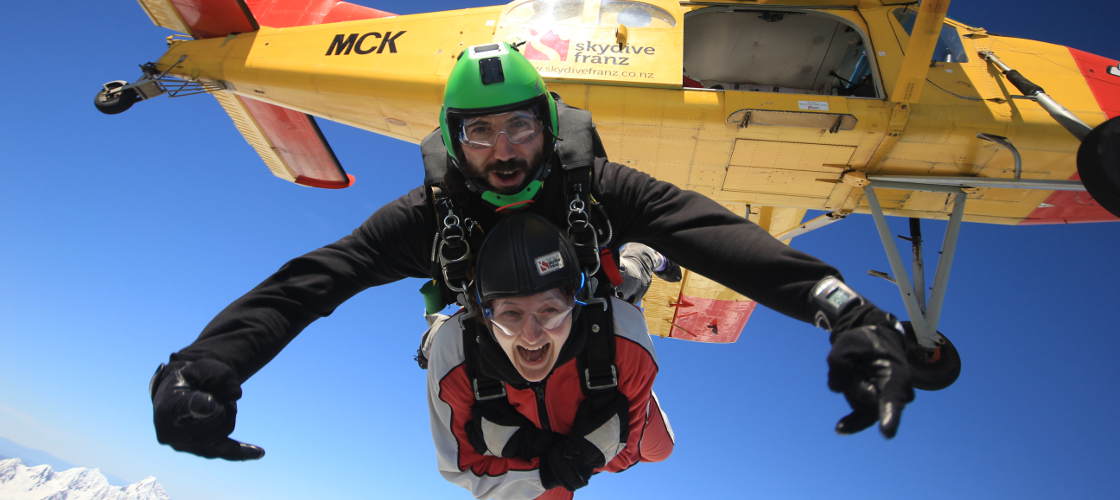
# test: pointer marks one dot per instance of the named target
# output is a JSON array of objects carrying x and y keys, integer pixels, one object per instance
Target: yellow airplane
[{"x": 772, "y": 107}]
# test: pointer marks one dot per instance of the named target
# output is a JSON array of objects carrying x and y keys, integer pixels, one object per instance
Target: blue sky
[{"x": 124, "y": 235}]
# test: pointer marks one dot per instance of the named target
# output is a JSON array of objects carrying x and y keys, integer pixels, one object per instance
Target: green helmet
[{"x": 494, "y": 78}]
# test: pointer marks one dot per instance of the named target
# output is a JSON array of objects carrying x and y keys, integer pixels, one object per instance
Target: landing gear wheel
[
  {"x": 931, "y": 370},
  {"x": 1098, "y": 163},
  {"x": 114, "y": 98}
]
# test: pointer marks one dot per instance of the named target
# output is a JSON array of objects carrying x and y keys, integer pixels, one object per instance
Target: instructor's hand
[
  {"x": 868, "y": 364},
  {"x": 195, "y": 409},
  {"x": 570, "y": 463}
]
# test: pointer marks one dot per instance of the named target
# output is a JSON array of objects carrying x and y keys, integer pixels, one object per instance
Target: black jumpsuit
[{"x": 395, "y": 243}]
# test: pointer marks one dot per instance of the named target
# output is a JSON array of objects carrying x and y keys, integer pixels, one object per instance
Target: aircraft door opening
[
  {"x": 800, "y": 89},
  {"x": 783, "y": 51}
]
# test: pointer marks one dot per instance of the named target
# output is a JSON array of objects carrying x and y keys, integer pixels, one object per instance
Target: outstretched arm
[
  {"x": 703, "y": 236},
  {"x": 868, "y": 362},
  {"x": 390, "y": 245},
  {"x": 194, "y": 396}
]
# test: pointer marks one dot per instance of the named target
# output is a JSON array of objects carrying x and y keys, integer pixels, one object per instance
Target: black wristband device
[{"x": 833, "y": 298}]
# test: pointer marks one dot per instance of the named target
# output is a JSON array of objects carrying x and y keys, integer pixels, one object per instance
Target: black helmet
[{"x": 525, "y": 254}]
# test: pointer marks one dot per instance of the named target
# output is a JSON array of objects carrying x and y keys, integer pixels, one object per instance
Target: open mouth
[
  {"x": 534, "y": 356},
  {"x": 507, "y": 174},
  {"x": 504, "y": 177}
]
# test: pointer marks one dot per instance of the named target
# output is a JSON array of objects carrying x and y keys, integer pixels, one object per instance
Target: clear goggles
[
  {"x": 518, "y": 126},
  {"x": 512, "y": 322}
]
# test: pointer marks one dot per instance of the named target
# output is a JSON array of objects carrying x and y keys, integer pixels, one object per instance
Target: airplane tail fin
[{"x": 289, "y": 142}]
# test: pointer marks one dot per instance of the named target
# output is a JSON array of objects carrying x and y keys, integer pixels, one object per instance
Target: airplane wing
[
  {"x": 288, "y": 141},
  {"x": 701, "y": 310}
]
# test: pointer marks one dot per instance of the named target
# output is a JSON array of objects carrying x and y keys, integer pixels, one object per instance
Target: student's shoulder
[
  {"x": 630, "y": 323},
  {"x": 446, "y": 351}
]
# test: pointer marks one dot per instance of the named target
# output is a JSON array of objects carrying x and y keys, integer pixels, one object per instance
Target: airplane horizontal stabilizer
[
  {"x": 286, "y": 13},
  {"x": 201, "y": 18},
  {"x": 697, "y": 309},
  {"x": 289, "y": 142},
  {"x": 215, "y": 18}
]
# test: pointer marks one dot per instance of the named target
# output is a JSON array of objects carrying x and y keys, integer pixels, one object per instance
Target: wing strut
[
  {"x": 934, "y": 361},
  {"x": 1063, "y": 116},
  {"x": 919, "y": 50}
]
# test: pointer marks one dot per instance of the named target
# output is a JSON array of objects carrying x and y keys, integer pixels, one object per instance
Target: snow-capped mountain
[{"x": 41, "y": 482}]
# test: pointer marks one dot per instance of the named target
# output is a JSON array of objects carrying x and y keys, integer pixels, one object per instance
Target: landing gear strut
[
  {"x": 118, "y": 95},
  {"x": 115, "y": 97},
  {"x": 934, "y": 361}
]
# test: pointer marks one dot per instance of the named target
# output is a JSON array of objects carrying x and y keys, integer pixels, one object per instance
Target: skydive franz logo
[
  {"x": 546, "y": 47},
  {"x": 549, "y": 263}
]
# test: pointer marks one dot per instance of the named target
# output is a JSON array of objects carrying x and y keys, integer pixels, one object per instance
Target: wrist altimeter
[{"x": 833, "y": 298}]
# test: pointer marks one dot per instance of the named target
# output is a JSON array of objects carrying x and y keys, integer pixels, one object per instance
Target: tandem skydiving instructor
[{"x": 507, "y": 146}]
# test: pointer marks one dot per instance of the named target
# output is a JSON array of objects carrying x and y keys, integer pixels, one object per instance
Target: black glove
[
  {"x": 194, "y": 409},
  {"x": 495, "y": 421},
  {"x": 573, "y": 459},
  {"x": 868, "y": 364},
  {"x": 569, "y": 463}
]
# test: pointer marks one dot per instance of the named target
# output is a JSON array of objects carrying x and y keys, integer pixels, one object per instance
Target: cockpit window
[
  {"x": 634, "y": 14},
  {"x": 545, "y": 12},
  {"x": 949, "y": 48}
]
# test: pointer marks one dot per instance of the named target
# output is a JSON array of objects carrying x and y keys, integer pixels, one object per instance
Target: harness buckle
[
  {"x": 453, "y": 240},
  {"x": 492, "y": 390},
  {"x": 599, "y": 382},
  {"x": 585, "y": 237}
]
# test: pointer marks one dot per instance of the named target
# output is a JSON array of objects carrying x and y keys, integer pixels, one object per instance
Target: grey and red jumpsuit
[{"x": 451, "y": 398}]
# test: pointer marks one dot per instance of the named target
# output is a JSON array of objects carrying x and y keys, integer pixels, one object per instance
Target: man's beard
[{"x": 510, "y": 169}]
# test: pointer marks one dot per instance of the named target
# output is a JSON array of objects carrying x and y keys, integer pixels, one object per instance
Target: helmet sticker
[{"x": 549, "y": 263}]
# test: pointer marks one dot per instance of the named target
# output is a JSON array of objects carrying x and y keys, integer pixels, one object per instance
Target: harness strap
[
  {"x": 487, "y": 390},
  {"x": 597, "y": 370}
]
